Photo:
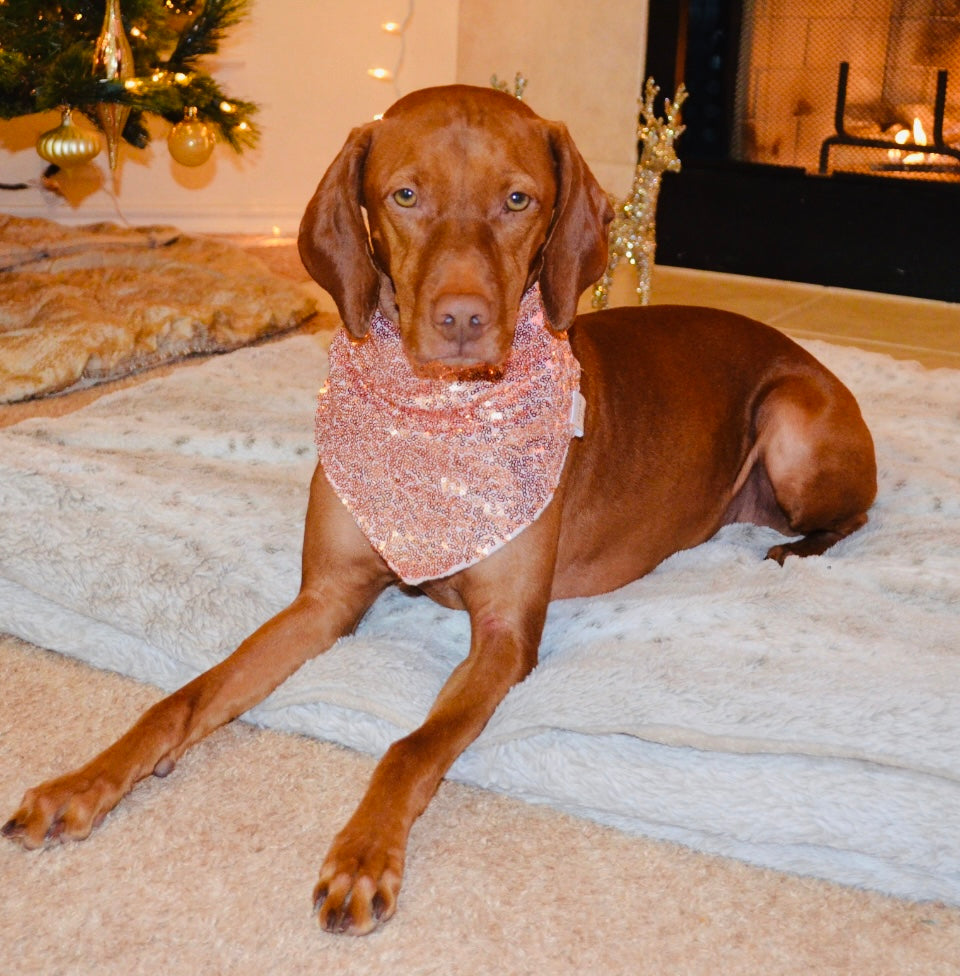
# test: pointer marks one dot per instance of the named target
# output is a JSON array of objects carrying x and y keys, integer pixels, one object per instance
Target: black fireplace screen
[
  {"x": 867, "y": 86},
  {"x": 810, "y": 124}
]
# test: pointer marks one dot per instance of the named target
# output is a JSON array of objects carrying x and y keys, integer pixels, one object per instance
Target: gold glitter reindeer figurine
[{"x": 633, "y": 230}]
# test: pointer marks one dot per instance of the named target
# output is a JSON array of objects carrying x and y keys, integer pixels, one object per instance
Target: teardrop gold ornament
[
  {"x": 191, "y": 141},
  {"x": 68, "y": 145},
  {"x": 113, "y": 61}
]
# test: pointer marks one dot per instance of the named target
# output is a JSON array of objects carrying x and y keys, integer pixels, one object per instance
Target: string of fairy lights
[{"x": 397, "y": 29}]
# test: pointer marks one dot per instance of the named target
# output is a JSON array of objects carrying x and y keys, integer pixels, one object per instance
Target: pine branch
[{"x": 204, "y": 35}]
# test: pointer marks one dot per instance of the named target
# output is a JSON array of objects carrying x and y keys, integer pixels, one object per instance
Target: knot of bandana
[{"x": 440, "y": 474}]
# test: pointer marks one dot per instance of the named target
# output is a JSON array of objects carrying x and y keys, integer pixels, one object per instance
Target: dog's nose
[{"x": 461, "y": 318}]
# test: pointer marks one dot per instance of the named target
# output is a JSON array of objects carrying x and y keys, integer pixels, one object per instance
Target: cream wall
[
  {"x": 583, "y": 62},
  {"x": 305, "y": 62}
]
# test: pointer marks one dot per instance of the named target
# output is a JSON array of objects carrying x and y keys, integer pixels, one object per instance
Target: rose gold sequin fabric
[{"x": 440, "y": 474}]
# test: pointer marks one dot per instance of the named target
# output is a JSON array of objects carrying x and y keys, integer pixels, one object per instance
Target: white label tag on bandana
[{"x": 578, "y": 413}]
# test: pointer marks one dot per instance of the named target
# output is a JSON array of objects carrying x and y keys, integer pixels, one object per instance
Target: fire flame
[{"x": 918, "y": 136}]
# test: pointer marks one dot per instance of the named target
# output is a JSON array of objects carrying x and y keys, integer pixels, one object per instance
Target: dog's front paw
[
  {"x": 67, "y": 808},
  {"x": 359, "y": 883}
]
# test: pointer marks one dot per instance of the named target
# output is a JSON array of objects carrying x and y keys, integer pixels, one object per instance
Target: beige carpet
[{"x": 211, "y": 871}]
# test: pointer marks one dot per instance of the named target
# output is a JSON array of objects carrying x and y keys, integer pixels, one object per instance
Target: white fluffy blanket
[{"x": 805, "y": 718}]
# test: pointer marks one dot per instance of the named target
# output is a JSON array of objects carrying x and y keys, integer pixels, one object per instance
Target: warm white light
[
  {"x": 180, "y": 78},
  {"x": 227, "y": 107},
  {"x": 276, "y": 238},
  {"x": 398, "y": 30}
]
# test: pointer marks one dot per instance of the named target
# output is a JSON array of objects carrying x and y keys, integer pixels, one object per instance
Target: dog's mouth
[
  {"x": 461, "y": 363},
  {"x": 459, "y": 371}
]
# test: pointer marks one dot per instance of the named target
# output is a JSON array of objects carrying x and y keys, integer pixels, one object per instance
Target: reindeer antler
[
  {"x": 659, "y": 135},
  {"x": 519, "y": 85}
]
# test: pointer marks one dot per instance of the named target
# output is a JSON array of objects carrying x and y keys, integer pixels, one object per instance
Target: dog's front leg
[
  {"x": 341, "y": 578},
  {"x": 506, "y": 595}
]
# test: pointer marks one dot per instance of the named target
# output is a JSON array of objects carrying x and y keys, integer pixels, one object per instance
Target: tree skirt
[
  {"x": 805, "y": 718},
  {"x": 83, "y": 305}
]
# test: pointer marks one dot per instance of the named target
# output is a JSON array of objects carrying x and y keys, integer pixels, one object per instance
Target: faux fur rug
[
  {"x": 82, "y": 305},
  {"x": 805, "y": 718}
]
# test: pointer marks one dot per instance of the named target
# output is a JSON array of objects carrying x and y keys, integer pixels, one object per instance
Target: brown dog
[{"x": 695, "y": 419}]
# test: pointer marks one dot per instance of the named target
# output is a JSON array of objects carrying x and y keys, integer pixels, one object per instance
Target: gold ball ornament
[
  {"x": 191, "y": 141},
  {"x": 68, "y": 145}
]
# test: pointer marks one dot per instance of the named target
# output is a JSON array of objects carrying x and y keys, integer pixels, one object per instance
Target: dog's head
[{"x": 443, "y": 213}]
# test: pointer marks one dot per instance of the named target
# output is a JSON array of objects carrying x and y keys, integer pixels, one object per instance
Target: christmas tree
[{"x": 59, "y": 55}]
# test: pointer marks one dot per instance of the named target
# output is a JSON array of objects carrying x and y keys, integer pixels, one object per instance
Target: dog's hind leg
[{"x": 818, "y": 459}]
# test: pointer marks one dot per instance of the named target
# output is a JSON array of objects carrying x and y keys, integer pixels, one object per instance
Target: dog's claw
[
  {"x": 335, "y": 920},
  {"x": 340, "y": 923},
  {"x": 319, "y": 897},
  {"x": 12, "y": 828},
  {"x": 16, "y": 830}
]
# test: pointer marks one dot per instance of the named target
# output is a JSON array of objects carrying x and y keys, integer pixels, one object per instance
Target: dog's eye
[
  {"x": 518, "y": 201},
  {"x": 406, "y": 197}
]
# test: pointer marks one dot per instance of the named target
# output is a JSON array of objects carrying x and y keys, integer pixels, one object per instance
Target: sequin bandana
[{"x": 440, "y": 474}]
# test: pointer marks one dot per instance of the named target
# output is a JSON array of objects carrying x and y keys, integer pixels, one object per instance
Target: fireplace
[{"x": 823, "y": 140}]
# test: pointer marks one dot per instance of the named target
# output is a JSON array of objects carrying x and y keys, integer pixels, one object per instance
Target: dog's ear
[
  {"x": 575, "y": 253},
  {"x": 334, "y": 244}
]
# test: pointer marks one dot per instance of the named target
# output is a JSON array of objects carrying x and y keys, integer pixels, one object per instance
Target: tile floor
[{"x": 907, "y": 328}]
